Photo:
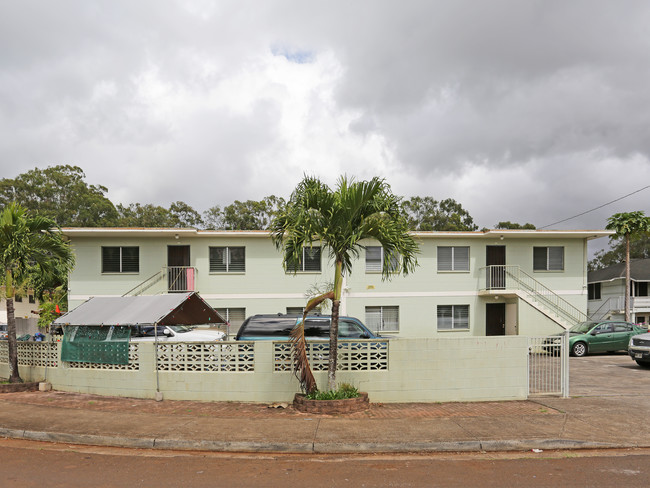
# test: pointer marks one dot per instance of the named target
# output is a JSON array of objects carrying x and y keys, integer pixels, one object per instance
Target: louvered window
[
  {"x": 453, "y": 258},
  {"x": 383, "y": 319},
  {"x": 227, "y": 259},
  {"x": 375, "y": 260},
  {"x": 120, "y": 259},
  {"x": 234, "y": 316},
  {"x": 548, "y": 258},
  {"x": 309, "y": 261},
  {"x": 453, "y": 317}
]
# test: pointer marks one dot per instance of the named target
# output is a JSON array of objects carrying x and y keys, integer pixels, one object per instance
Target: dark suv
[{"x": 278, "y": 327}]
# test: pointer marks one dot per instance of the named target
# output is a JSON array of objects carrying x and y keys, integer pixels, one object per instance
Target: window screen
[{"x": 454, "y": 258}]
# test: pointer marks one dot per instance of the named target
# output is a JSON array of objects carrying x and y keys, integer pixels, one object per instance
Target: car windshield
[
  {"x": 180, "y": 328},
  {"x": 582, "y": 327}
]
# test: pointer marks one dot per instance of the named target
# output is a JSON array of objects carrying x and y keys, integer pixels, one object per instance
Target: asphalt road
[{"x": 33, "y": 464}]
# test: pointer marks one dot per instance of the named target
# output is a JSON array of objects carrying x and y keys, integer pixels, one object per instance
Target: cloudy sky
[{"x": 521, "y": 110}]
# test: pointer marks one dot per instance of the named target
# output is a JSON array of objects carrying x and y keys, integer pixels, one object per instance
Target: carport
[{"x": 99, "y": 329}]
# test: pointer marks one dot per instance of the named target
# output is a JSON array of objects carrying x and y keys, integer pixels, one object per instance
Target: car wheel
[
  {"x": 643, "y": 364},
  {"x": 579, "y": 349}
]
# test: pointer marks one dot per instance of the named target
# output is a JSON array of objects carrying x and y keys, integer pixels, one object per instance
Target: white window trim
[
  {"x": 548, "y": 260},
  {"x": 383, "y": 309},
  {"x": 302, "y": 262},
  {"x": 454, "y": 329},
  {"x": 121, "y": 261},
  {"x": 453, "y": 260},
  {"x": 382, "y": 257},
  {"x": 228, "y": 260}
]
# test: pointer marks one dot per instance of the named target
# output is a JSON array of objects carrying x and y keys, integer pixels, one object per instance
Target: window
[
  {"x": 383, "y": 319},
  {"x": 18, "y": 298},
  {"x": 234, "y": 316},
  {"x": 375, "y": 260},
  {"x": 453, "y": 317},
  {"x": 453, "y": 258},
  {"x": 593, "y": 291},
  {"x": 310, "y": 260},
  {"x": 120, "y": 259},
  {"x": 31, "y": 298},
  {"x": 548, "y": 258},
  {"x": 227, "y": 259},
  {"x": 639, "y": 288}
]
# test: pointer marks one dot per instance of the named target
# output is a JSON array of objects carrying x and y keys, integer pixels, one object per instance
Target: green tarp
[{"x": 108, "y": 344}]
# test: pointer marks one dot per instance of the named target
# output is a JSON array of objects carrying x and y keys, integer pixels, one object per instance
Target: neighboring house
[
  {"x": 607, "y": 292},
  {"x": 496, "y": 282},
  {"x": 24, "y": 305}
]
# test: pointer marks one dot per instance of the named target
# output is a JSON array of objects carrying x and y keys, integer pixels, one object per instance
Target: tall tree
[
  {"x": 252, "y": 214},
  {"x": 183, "y": 215},
  {"x": 625, "y": 225},
  {"x": 339, "y": 220},
  {"x": 428, "y": 214},
  {"x": 61, "y": 194},
  {"x": 639, "y": 249},
  {"x": 28, "y": 244},
  {"x": 148, "y": 215},
  {"x": 513, "y": 225}
]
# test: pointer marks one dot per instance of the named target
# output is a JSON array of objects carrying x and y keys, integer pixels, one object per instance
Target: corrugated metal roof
[{"x": 171, "y": 309}]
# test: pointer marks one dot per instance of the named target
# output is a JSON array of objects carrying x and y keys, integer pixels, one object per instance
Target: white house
[
  {"x": 606, "y": 292},
  {"x": 496, "y": 282}
]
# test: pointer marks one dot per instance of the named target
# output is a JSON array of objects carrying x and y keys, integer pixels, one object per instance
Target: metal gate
[{"x": 548, "y": 366}]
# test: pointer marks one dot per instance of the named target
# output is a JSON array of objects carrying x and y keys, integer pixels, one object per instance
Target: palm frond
[{"x": 301, "y": 367}]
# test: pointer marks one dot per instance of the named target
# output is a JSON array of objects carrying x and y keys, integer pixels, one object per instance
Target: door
[
  {"x": 178, "y": 262},
  {"x": 495, "y": 259},
  {"x": 602, "y": 338},
  {"x": 495, "y": 319}
]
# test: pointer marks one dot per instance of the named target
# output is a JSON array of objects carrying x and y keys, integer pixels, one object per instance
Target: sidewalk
[{"x": 548, "y": 423}]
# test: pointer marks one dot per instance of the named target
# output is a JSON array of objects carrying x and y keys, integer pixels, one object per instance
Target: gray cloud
[{"x": 522, "y": 110}]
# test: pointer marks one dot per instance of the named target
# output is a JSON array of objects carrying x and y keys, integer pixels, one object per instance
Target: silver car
[{"x": 639, "y": 349}]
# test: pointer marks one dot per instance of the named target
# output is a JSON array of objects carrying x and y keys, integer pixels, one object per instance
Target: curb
[{"x": 309, "y": 448}]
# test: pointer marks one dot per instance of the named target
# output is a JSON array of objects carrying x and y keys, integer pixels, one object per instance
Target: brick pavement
[{"x": 261, "y": 411}]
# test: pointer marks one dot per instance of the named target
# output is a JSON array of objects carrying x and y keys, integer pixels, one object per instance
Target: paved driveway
[{"x": 607, "y": 375}]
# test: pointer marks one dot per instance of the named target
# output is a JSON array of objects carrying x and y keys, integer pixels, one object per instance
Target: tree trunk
[
  {"x": 14, "y": 376},
  {"x": 627, "y": 278},
  {"x": 332, "y": 362}
]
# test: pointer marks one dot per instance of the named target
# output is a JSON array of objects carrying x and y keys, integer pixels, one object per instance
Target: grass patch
[{"x": 344, "y": 391}]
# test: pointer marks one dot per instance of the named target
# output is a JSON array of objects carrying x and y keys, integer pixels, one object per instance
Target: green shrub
[{"x": 343, "y": 391}]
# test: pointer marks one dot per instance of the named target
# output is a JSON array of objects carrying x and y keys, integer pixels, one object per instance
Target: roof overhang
[{"x": 498, "y": 234}]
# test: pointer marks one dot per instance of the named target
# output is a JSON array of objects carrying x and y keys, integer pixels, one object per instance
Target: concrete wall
[{"x": 419, "y": 370}]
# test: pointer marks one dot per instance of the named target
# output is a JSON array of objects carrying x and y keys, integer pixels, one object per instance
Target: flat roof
[{"x": 185, "y": 233}]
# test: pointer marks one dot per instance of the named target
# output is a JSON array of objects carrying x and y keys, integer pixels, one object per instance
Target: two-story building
[
  {"x": 606, "y": 292},
  {"x": 495, "y": 282}
]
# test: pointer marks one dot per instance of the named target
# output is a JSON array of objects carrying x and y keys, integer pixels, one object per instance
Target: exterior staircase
[
  {"x": 503, "y": 279},
  {"x": 170, "y": 279}
]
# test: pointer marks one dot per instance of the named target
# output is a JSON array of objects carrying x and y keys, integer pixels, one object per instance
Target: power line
[{"x": 596, "y": 208}]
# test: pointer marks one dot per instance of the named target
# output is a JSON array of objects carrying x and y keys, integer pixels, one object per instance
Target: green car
[{"x": 605, "y": 336}]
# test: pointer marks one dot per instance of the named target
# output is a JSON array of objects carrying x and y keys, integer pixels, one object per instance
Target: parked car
[
  {"x": 639, "y": 349},
  {"x": 278, "y": 327},
  {"x": 604, "y": 336},
  {"x": 174, "y": 333}
]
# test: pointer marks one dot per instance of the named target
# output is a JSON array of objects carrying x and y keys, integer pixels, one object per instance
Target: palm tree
[
  {"x": 626, "y": 225},
  {"x": 28, "y": 244},
  {"x": 340, "y": 220}
]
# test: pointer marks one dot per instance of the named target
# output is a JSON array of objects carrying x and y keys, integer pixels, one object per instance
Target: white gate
[{"x": 548, "y": 366}]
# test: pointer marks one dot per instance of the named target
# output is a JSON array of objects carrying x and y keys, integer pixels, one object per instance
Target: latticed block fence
[
  {"x": 32, "y": 353},
  {"x": 206, "y": 356},
  {"x": 368, "y": 355}
]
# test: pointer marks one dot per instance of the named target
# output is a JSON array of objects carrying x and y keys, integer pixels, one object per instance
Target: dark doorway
[
  {"x": 495, "y": 319},
  {"x": 495, "y": 258},
  {"x": 178, "y": 261}
]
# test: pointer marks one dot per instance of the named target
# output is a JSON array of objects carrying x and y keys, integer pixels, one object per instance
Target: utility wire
[{"x": 596, "y": 208}]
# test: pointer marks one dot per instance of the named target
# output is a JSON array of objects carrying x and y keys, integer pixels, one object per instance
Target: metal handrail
[
  {"x": 512, "y": 277},
  {"x": 146, "y": 284}
]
